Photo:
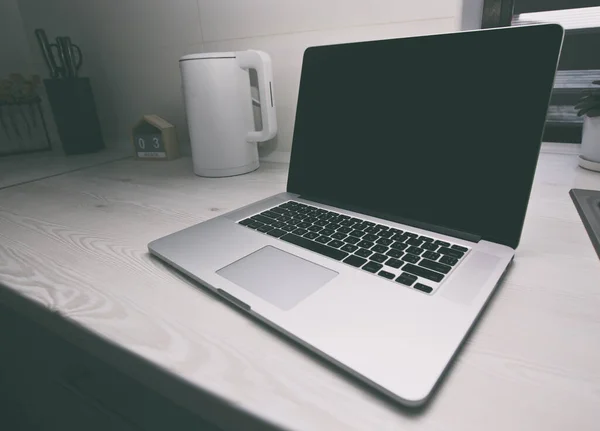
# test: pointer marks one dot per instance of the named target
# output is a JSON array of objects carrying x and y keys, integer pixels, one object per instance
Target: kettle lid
[{"x": 208, "y": 55}]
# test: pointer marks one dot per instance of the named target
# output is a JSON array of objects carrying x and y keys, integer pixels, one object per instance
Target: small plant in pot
[{"x": 589, "y": 108}]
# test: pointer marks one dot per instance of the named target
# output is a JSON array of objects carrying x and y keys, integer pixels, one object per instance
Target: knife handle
[
  {"x": 61, "y": 70},
  {"x": 79, "y": 55},
  {"x": 46, "y": 49}
]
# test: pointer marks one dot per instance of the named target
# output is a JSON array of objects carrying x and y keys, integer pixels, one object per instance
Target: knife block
[{"x": 74, "y": 111}]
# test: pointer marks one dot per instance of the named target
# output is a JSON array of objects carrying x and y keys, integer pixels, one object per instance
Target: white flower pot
[{"x": 590, "y": 141}]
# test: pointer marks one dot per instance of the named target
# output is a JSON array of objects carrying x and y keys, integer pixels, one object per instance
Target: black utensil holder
[{"x": 74, "y": 111}]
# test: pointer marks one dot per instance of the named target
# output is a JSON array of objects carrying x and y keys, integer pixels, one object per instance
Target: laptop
[{"x": 411, "y": 168}]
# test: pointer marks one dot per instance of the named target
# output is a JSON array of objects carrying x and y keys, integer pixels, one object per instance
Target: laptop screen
[{"x": 443, "y": 130}]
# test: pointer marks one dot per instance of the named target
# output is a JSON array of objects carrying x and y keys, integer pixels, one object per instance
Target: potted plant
[{"x": 589, "y": 108}]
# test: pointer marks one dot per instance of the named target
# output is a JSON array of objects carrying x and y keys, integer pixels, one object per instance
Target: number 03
[
  {"x": 156, "y": 142},
  {"x": 142, "y": 143}
]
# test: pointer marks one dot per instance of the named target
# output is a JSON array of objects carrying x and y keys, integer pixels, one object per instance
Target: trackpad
[{"x": 277, "y": 276}]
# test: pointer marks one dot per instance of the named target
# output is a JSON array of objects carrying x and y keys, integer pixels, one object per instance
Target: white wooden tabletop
[{"x": 76, "y": 244}]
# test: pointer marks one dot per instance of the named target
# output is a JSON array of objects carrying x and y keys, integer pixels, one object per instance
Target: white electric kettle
[{"x": 220, "y": 117}]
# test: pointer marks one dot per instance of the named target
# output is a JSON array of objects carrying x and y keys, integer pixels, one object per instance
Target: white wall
[
  {"x": 15, "y": 56},
  {"x": 132, "y": 47}
]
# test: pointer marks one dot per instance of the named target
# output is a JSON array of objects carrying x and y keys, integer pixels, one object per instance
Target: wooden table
[{"x": 75, "y": 245}]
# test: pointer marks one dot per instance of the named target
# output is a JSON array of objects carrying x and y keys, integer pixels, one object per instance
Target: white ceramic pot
[{"x": 590, "y": 141}]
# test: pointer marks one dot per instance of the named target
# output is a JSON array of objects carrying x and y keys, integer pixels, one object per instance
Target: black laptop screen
[{"x": 442, "y": 129}]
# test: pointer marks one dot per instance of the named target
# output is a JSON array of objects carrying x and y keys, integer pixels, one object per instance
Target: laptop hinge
[{"x": 426, "y": 226}]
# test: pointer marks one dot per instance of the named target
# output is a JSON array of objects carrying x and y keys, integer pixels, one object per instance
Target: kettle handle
[{"x": 261, "y": 62}]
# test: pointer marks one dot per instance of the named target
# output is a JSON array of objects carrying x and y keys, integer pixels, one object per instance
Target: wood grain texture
[
  {"x": 76, "y": 244},
  {"x": 24, "y": 168}
]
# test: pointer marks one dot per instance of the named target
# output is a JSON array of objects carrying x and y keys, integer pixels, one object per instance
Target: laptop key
[
  {"x": 366, "y": 244},
  {"x": 315, "y": 228},
  {"x": 255, "y": 225},
  {"x": 410, "y": 234},
  {"x": 372, "y": 267},
  {"x": 351, "y": 240},
  {"x": 370, "y": 237},
  {"x": 321, "y": 223},
  {"x": 414, "y": 242},
  {"x": 411, "y": 258},
  {"x": 406, "y": 279},
  {"x": 396, "y": 254},
  {"x": 423, "y": 288},
  {"x": 448, "y": 260},
  {"x": 385, "y": 234},
  {"x": 423, "y": 272},
  {"x": 363, "y": 252},
  {"x": 425, "y": 238},
  {"x": 442, "y": 243},
  {"x": 386, "y": 274},
  {"x": 355, "y": 261},
  {"x": 357, "y": 233},
  {"x": 385, "y": 241},
  {"x": 278, "y": 224},
  {"x": 349, "y": 248},
  {"x": 304, "y": 225},
  {"x": 399, "y": 246},
  {"x": 394, "y": 263},
  {"x": 276, "y": 233},
  {"x": 270, "y": 214},
  {"x": 333, "y": 253},
  {"x": 339, "y": 235},
  {"x": 333, "y": 226},
  {"x": 323, "y": 239},
  {"x": 431, "y": 255},
  {"x": 377, "y": 248},
  {"x": 451, "y": 252},
  {"x": 263, "y": 219},
  {"x": 327, "y": 232},
  {"x": 415, "y": 250},
  {"x": 311, "y": 235},
  {"x": 429, "y": 246},
  {"x": 436, "y": 266},
  {"x": 265, "y": 228},
  {"x": 344, "y": 229},
  {"x": 278, "y": 210},
  {"x": 246, "y": 222},
  {"x": 300, "y": 232},
  {"x": 379, "y": 258},
  {"x": 335, "y": 243},
  {"x": 289, "y": 228},
  {"x": 460, "y": 248}
]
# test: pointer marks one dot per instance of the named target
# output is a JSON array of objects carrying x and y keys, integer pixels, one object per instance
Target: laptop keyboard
[{"x": 400, "y": 256}]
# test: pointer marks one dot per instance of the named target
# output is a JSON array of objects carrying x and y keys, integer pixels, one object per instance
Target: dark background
[{"x": 581, "y": 52}]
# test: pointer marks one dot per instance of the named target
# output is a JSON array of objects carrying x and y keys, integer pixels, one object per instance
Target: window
[{"x": 580, "y": 59}]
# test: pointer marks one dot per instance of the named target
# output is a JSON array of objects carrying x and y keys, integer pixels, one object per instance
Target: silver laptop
[{"x": 412, "y": 165}]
